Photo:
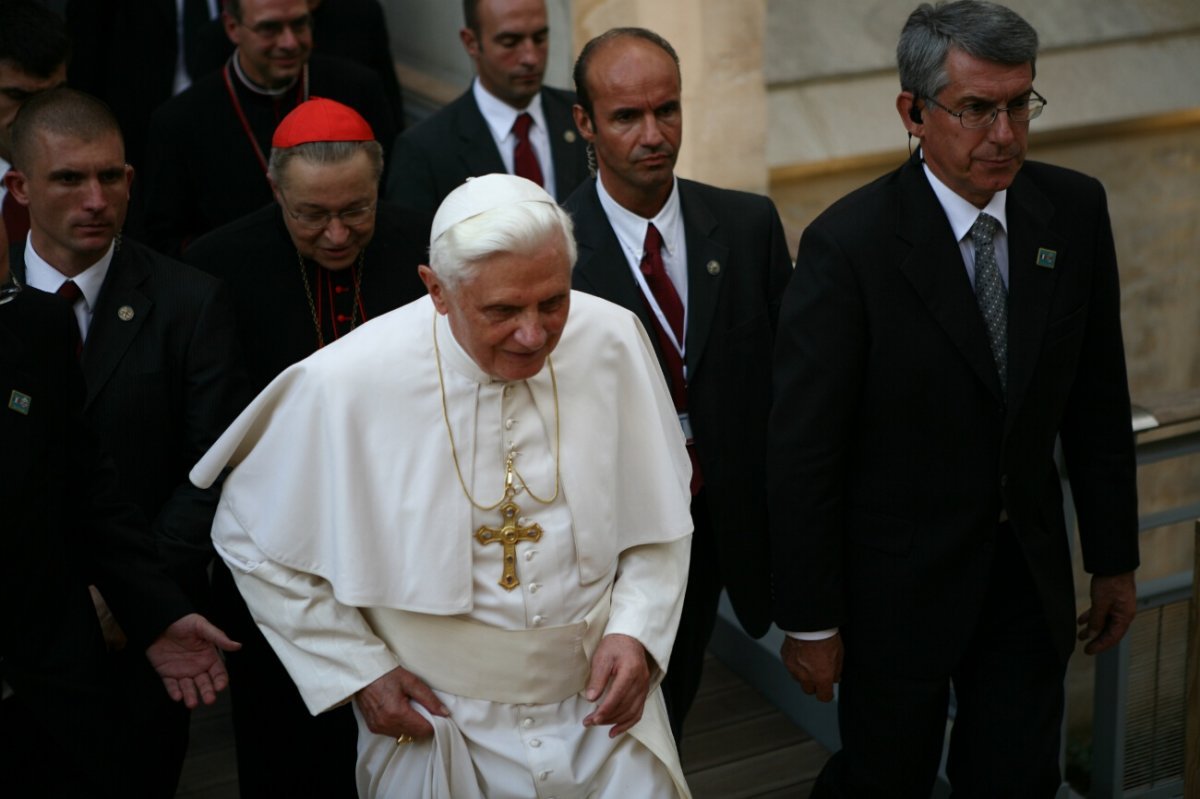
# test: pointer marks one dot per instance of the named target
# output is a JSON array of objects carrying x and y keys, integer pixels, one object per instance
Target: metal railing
[{"x": 1138, "y": 747}]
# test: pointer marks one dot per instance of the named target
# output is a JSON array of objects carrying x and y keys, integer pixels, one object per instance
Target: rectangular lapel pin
[
  {"x": 1046, "y": 258},
  {"x": 19, "y": 402}
]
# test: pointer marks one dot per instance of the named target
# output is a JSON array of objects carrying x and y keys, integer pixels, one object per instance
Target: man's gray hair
[
  {"x": 979, "y": 28},
  {"x": 323, "y": 152},
  {"x": 521, "y": 228}
]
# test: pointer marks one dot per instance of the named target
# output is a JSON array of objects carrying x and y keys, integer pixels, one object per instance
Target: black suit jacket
[
  {"x": 738, "y": 266},
  {"x": 163, "y": 382},
  {"x": 63, "y": 528},
  {"x": 434, "y": 157},
  {"x": 257, "y": 260},
  {"x": 893, "y": 451},
  {"x": 201, "y": 170}
]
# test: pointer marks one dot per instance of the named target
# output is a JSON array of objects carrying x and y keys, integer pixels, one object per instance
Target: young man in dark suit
[
  {"x": 62, "y": 729},
  {"x": 506, "y": 122},
  {"x": 158, "y": 354},
  {"x": 704, "y": 269},
  {"x": 947, "y": 324}
]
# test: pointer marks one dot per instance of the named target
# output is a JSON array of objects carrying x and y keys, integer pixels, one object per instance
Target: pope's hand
[
  {"x": 816, "y": 665},
  {"x": 186, "y": 658},
  {"x": 386, "y": 705},
  {"x": 621, "y": 675}
]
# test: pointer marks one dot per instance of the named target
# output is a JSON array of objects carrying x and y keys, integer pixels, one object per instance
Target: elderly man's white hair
[{"x": 490, "y": 215}]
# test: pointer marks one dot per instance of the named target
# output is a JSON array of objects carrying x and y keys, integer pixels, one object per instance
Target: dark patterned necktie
[{"x": 990, "y": 292}]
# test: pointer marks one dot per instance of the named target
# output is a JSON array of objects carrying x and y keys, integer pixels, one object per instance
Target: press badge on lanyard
[{"x": 686, "y": 424}]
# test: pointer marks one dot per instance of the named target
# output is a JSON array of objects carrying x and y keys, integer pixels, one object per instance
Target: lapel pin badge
[
  {"x": 1045, "y": 258},
  {"x": 569, "y": 136},
  {"x": 125, "y": 313},
  {"x": 19, "y": 402},
  {"x": 713, "y": 267}
]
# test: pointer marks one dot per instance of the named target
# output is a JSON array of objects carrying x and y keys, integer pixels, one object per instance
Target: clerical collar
[
  {"x": 255, "y": 87},
  {"x": 500, "y": 116},
  {"x": 40, "y": 274},
  {"x": 961, "y": 213}
]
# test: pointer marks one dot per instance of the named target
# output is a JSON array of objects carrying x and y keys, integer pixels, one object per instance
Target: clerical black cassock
[
  {"x": 280, "y": 306},
  {"x": 207, "y": 148}
]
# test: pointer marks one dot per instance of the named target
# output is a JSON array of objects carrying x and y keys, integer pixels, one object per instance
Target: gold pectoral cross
[{"x": 510, "y": 533}]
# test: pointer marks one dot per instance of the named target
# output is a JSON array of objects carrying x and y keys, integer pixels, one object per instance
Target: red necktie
[
  {"x": 16, "y": 218},
  {"x": 660, "y": 283},
  {"x": 525, "y": 163},
  {"x": 672, "y": 308},
  {"x": 71, "y": 293}
]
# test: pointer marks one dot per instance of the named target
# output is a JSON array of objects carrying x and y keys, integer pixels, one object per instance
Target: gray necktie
[{"x": 990, "y": 292}]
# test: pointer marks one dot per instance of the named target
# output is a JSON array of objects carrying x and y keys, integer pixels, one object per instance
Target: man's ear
[
  {"x": 470, "y": 42},
  {"x": 909, "y": 108},
  {"x": 583, "y": 122},
  {"x": 230, "y": 24},
  {"x": 437, "y": 291},
  {"x": 16, "y": 184}
]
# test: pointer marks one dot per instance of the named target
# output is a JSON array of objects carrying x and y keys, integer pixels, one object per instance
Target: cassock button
[
  {"x": 508, "y": 423},
  {"x": 535, "y": 742},
  {"x": 125, "y": 313},
  {"x": 527, "y": 722},
  {"x": 533, "y": 588},
  {"x": 713, "y": 267},
  {"x": 343, "y": 318},
  {"x": 537, "y": 622}
]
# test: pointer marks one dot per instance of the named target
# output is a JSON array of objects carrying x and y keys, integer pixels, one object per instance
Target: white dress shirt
[
  {"x": 500, "y": 117},
  {"x": 41, "y": 275}
]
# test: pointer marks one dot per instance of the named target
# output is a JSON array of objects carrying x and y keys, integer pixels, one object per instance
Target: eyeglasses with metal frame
[
  {"x": 319, "y": 220},
  {"x": 981, "y": 115}
]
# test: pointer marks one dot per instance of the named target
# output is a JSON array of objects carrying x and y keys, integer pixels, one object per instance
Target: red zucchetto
[{"x": 320, "y": 119}]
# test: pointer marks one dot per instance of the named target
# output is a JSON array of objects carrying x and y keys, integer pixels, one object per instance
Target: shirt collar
[
  {"x": 4, "y": 167},
  {"x": 631, "y": 228},
  {"x": 500, "y": 116},
  {"x": 41, "y": 275},
  {"x": 962, "y": 214}
]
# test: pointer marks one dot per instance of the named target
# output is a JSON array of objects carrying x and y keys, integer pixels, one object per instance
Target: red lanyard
[{"x": 241, "y": 114}]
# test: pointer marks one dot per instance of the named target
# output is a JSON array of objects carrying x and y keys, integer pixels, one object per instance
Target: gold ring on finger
[{"x": 404, "y": 739}]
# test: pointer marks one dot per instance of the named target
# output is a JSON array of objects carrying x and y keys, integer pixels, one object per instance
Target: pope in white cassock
[{"x": 481, "y": 544}]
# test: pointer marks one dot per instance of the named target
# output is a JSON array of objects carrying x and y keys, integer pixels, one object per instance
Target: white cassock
[{"x": 353, "y": 543}]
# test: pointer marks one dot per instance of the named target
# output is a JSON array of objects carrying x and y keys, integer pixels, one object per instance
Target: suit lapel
[
  {"x": 704, "y": 281},
  {"x": 563, "y": 141},
  {"x": 1030, "y": 286},
  {"x": 934, "y": 266},
  {"x": 602, "y": 268},
  {"x": 120, "y": 312},
  {"x": 478, "y": 149}
]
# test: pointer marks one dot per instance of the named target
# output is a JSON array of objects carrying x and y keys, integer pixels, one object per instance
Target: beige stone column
[{"x": 720, "y": 46}]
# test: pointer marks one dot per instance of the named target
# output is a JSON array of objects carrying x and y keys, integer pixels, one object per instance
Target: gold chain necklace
[
  {"x": 312, "y": 306},
  {"x": 510, "y": 468}
]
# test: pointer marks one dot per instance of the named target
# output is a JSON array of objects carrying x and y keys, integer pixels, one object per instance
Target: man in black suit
[
  {"x": 206, "y": 160},
  {"x": 304, "y": 271},
  {"x": 929, "y": 356},
  {"x": 506, "y": 122},
  {"x": 61, "y": 728},
  {"x": 721, "y": 262},
  {"x": 158, "y": 354}
]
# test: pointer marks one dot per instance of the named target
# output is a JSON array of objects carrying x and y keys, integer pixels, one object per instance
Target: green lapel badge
[
  {"x": 1046, "y": 258},
  {"x": 19, "y": 402}
]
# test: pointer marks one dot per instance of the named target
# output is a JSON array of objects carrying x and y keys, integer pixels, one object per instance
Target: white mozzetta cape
[{"x": 342, "y": 466}]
